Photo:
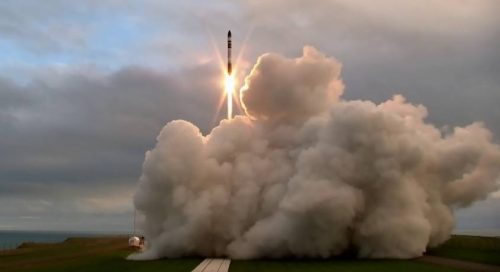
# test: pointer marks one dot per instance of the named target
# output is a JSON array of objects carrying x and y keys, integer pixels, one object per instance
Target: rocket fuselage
[{"x": 229, "y": 65}]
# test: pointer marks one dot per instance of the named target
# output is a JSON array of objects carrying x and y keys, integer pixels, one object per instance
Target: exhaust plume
[{"x": 306, "y": 174}]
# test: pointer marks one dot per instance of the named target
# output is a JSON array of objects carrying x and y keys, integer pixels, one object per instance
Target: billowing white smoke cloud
[{"x": 310, "y": 175}]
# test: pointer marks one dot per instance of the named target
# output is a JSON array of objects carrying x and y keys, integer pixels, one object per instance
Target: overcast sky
[{"x": 85, "y": 86}]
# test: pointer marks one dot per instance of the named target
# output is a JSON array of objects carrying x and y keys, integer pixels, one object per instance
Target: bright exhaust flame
[
  {"x": 229, "y": 82},
  {"x": 229, "y": 88}
]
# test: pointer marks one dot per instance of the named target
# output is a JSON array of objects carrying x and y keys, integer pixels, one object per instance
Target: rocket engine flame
[
  {"x": 308, "y": 174},
  {"x": 229, "y": 82},
  {"x": 229, "y": 86}
]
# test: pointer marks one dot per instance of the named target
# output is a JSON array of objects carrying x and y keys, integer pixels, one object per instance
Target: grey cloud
[
  {"x": 480, "y": 217},
  {"x": 78, "y": 134},
  {"x": 13, "y": 96},
  {"x": 441, "y": 54},
  {"x": 40, "y": 27}
]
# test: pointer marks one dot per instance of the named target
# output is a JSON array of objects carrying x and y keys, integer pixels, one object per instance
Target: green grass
[
  {"x": 86, "y": 254},
  {"x": 334, "y": 265},
  {"x": 470, "y": 248},
  {"x": 119, "y": 264},
  {"x": 108, "y": 254}
]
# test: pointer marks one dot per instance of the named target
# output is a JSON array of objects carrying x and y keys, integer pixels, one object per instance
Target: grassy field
[
  {"x": 470, "y": 248},
  {"x": 334, "y": 265},
  {"x": 108, "y": 254},
  {"x": 85, "y": 254}
]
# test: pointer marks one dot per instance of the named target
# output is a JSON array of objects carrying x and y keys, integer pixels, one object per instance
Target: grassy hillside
[
  {"x": 470, "y": 248},
  {"x": 108, "y": 254},
  {"x": 85, "y": 254}
]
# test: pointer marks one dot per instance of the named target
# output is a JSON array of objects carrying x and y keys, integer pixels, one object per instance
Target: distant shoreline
[
  {"x": 479, "y": 232},
  {"x": 11, "y": 239}
]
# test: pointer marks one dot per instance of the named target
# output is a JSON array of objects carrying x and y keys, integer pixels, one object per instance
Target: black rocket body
[{"x": 229, "y": 65}]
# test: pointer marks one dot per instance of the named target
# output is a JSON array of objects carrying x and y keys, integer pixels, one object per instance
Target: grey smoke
[{"x": 307, "y": 174}]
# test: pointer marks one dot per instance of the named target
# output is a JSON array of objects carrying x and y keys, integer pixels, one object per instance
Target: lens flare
[
  {"x": 229, "y": 88},
  {"x": 230, "y": 81}
]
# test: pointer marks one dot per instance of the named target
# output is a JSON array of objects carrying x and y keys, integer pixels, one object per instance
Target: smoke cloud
[{"x": 307, "y": 174}]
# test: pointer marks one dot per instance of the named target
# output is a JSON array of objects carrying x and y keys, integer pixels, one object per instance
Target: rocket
[{"x": 229, "y": 66}]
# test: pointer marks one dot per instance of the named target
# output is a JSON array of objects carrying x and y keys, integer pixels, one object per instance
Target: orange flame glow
[
  {"x": 229, "y": 85},
  {"x": 230, "y": 81}
]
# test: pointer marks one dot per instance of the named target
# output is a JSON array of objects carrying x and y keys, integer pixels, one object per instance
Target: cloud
[
  {"x": 306, "y": 181},
  {"x": 72, "y": 141},
  {"x": 68, "y": 69},
  {"x": 21, "y": 24},
  {"x": 305, "y": 78}
]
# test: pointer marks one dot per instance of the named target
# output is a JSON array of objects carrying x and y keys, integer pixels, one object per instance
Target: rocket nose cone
[{"x": 229, "y": 33}]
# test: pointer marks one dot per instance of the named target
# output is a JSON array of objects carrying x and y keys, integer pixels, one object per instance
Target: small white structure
[{"x": 134, "y": 242}]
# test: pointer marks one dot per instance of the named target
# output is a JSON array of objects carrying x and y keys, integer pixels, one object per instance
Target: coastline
[{"x": 11, "y": 239}]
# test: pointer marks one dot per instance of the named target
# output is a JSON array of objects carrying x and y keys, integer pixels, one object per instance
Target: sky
[{"x": 85, "y": 86}]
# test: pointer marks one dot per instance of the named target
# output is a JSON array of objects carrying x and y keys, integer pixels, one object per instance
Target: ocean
[{"x": 11, "y": 239}]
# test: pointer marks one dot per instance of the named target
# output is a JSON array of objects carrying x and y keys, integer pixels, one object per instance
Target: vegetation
[
  {"x": 108, "y": 254},
  {"x": 85, "y": 254},
  {"x": 334, "y": 265},
  {"x": 470, "y": 248}
]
